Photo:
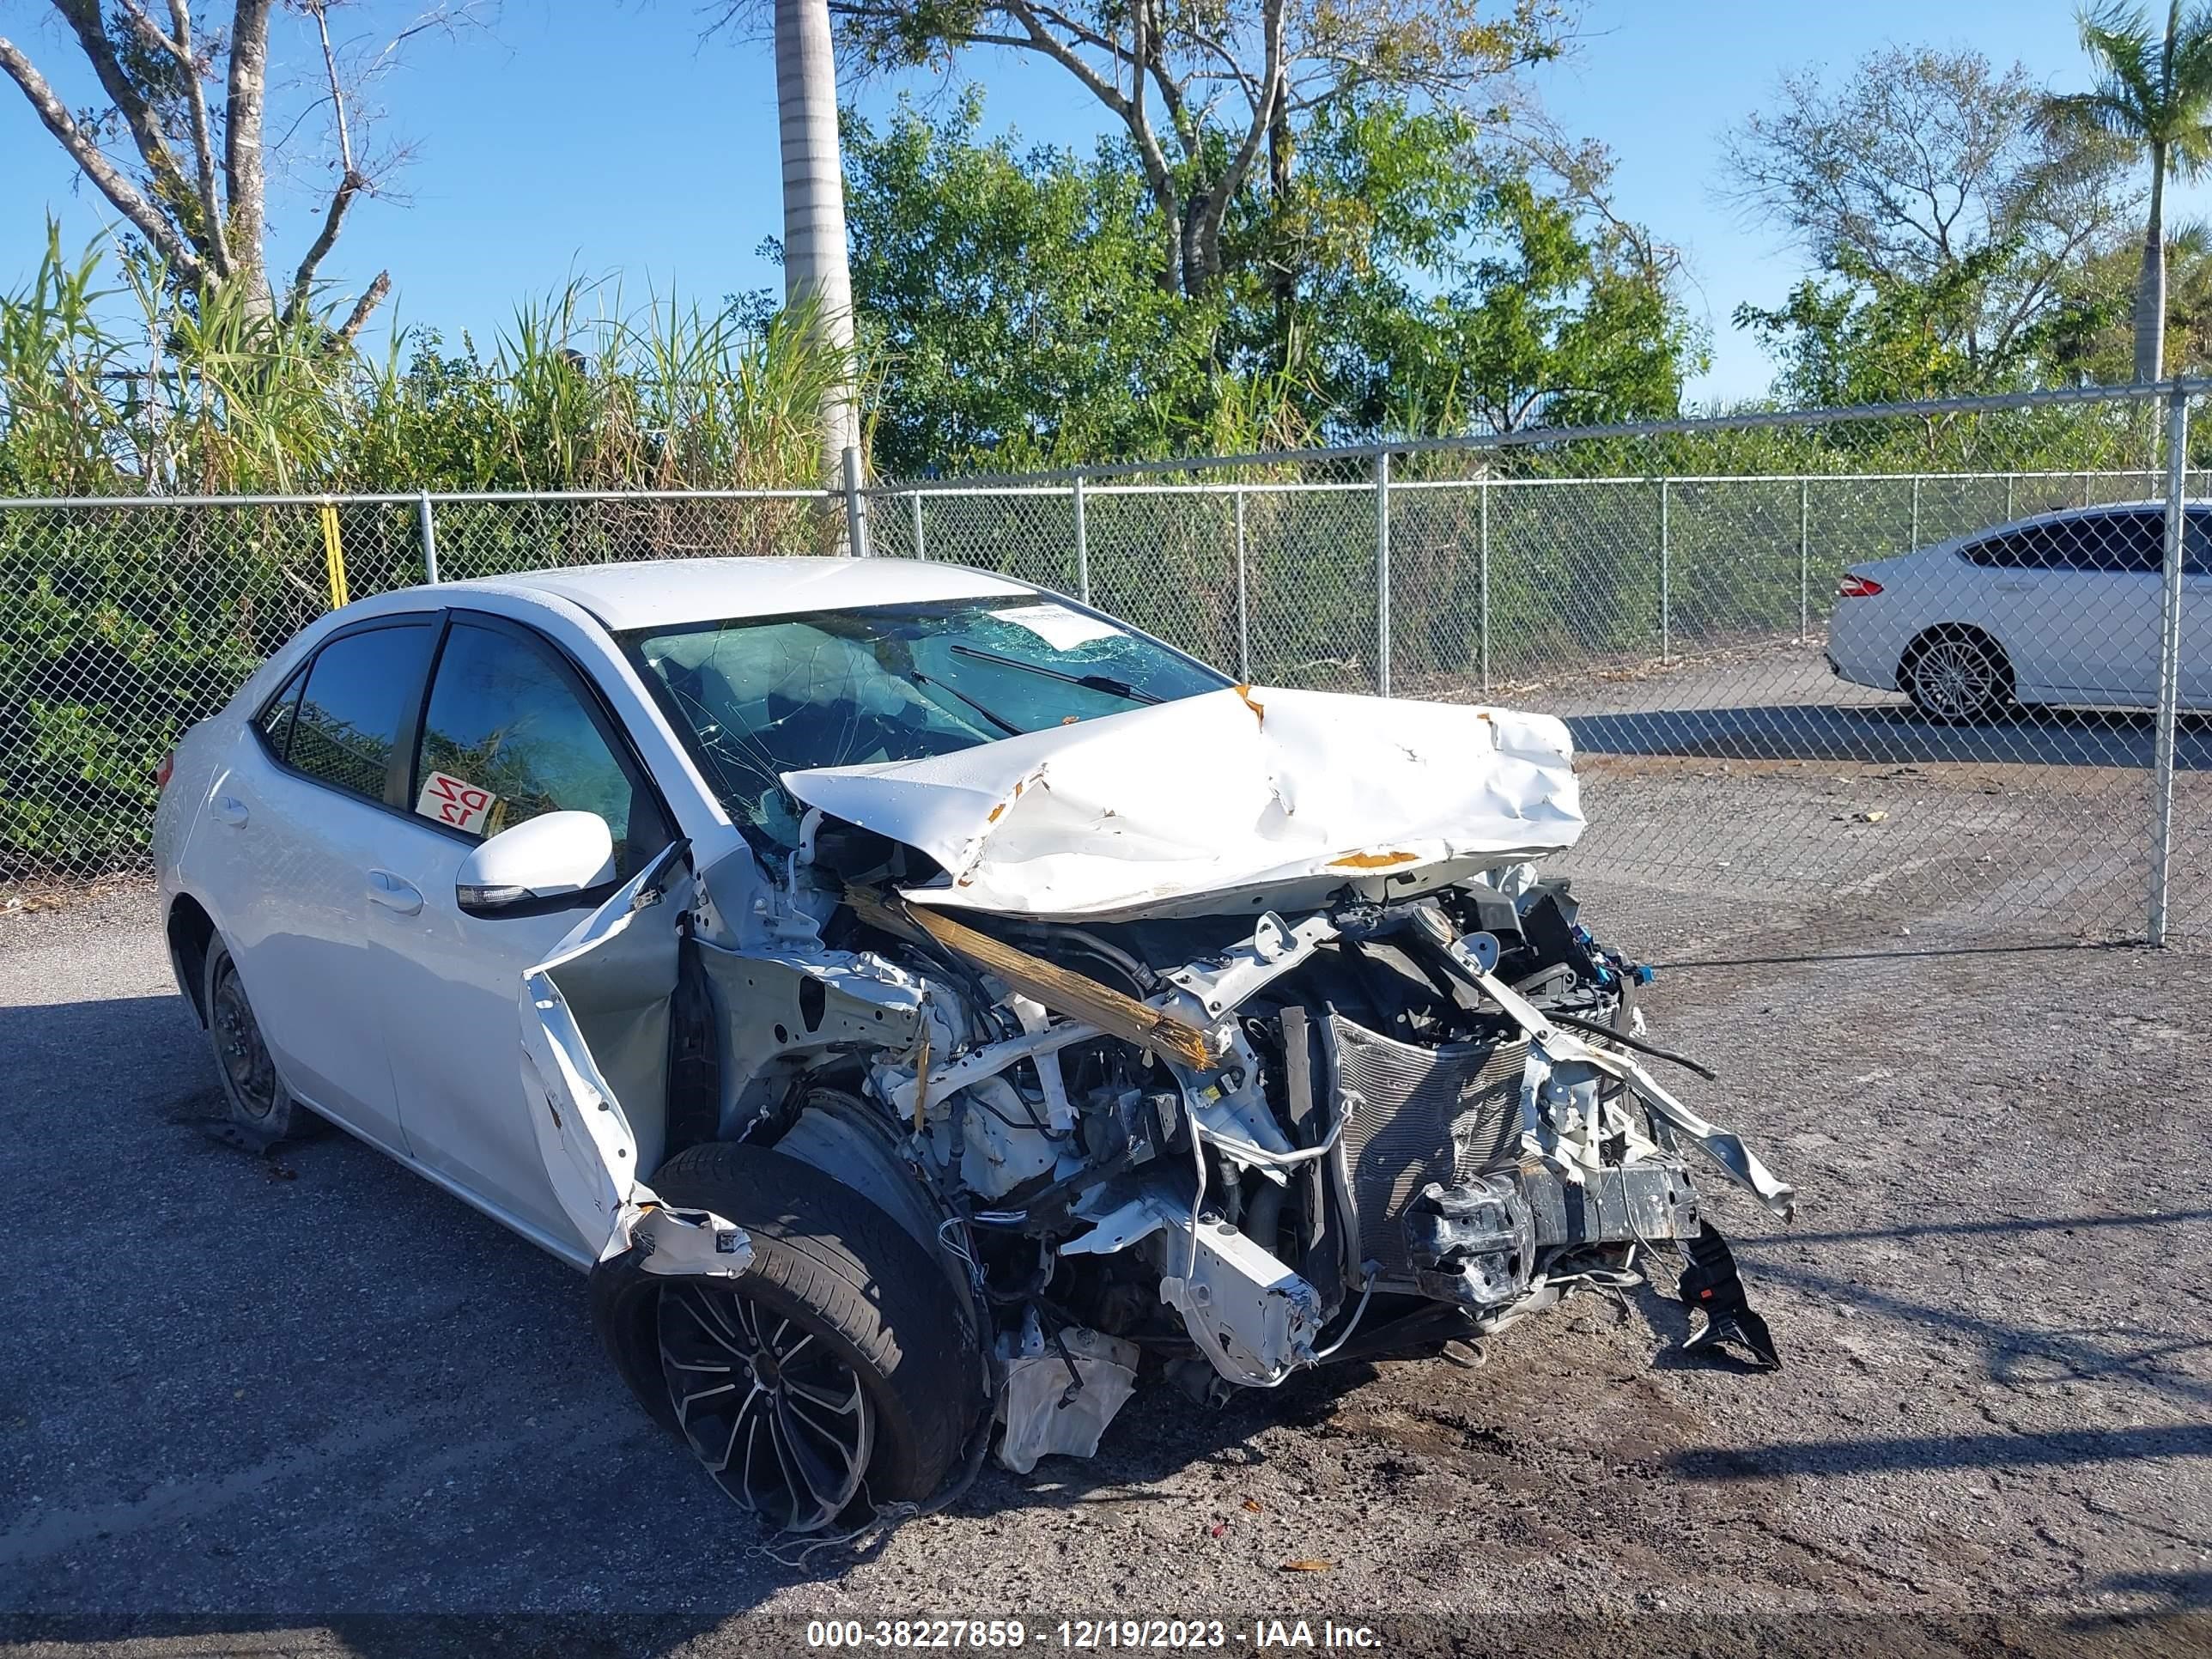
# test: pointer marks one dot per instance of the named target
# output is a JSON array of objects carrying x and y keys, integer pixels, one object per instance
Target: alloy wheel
[
  {"x": 780, "y": 1421},
  {"x": 1955, "y": 679}
]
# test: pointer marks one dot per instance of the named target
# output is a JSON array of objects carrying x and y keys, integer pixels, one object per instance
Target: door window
[
  {"x": 358, "y": 691},
  {"x": 2196, "y": 543},
  {"x": 2119, "y": 543},
  {"x": 508, "y": 737},
  {"x": 2034, "y": 548},
  {"x": 2111, "y": 541}
]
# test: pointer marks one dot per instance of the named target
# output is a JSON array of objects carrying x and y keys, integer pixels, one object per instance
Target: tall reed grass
[{"x": 114, "y": 383}]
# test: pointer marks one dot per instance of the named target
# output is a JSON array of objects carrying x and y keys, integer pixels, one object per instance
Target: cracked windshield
[{"x": 756, "y": 698}]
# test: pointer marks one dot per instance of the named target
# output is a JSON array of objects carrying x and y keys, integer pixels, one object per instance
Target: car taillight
[
  {"x": 164, "y": 770},
  {"x": 1857, "y": 587}
]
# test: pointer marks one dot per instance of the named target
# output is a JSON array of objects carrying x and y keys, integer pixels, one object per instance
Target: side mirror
[{"x": 544, "y": 864}]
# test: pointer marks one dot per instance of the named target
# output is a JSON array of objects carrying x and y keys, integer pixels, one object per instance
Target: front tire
[
  {"x": 1956, "y": 675},
  {"x": 839, "y": 1372},
  {"x": 255, "y": 1101}
]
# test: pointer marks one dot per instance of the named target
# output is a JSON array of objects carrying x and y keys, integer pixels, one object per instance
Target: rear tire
[
  {"x": 1956, "y": 674},
  {"x": 839, "y": 1372},
  {"x": 255, "y": 1100}
]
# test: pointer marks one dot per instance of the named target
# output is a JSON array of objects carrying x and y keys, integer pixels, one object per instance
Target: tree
[
  {"x": 1932, "y": 173},
  {"x": 1204, "y": 89},
  {"x": 1878, "y": 339},
  {"x": 1006, "y": 295},
  {"x": 1010, "y": 302},
  {"x": 2092, "y": 341},
  {"x": 816, "y": 271},
  {"x": 2153, "y": 94},
  {"x": 194, "y": 184},
  {"x": 1558, "y": 327}
]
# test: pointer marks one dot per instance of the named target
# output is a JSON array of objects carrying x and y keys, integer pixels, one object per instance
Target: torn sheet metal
[
  {"x": 1551, "y": 1046},
  {"x": 1165, "y": 809},
  {"x": 690, "y": 1242},
  {"x": 622, "y": 955},
  {"x": 1060, "y": 1394}
]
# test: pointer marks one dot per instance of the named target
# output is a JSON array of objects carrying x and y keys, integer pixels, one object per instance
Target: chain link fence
[{"x": 1990, "y": 739}]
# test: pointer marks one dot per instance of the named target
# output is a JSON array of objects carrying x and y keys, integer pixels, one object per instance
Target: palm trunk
[
  {"x": 2150, "y": 291},
  {"x": 814, "y": 254}
]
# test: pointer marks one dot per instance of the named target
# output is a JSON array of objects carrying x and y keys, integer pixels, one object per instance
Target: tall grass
[{"x": 114, "y": 382}]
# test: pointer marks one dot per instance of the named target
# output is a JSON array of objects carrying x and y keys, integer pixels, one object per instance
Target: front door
[{"x": 509, "y": 731}]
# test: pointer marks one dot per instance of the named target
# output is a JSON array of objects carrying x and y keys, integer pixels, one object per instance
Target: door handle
[
  {"x": 228, "y": 809},
  {"x": 2016, "y": 588},
  {"x": 394, "y": 892}
]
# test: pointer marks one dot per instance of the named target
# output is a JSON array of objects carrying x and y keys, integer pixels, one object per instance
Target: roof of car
[{"x": 665, "y": 592}]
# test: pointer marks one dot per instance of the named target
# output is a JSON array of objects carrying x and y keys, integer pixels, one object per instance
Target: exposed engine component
[{"x": 1238, "y": 1141}]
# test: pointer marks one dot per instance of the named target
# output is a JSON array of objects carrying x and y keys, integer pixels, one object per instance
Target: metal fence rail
[{"x": 1670, "y": 589}]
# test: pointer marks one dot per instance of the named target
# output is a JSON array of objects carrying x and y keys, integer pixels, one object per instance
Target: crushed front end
[{"x": 1313, "y": 1107}]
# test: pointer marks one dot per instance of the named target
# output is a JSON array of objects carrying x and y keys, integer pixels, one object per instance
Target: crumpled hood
[{"x": 1234, "y": 795}]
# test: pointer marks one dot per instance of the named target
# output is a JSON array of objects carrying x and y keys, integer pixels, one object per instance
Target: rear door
[
  {"x": 299, "y": 814},
  {"x": 510, "y": 729},
  {"x": 2074, "y": 603}
]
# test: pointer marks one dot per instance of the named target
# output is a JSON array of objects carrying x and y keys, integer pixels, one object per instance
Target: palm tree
[
  {"x": 2153, "y": 95},
  {"x": 816, "y": 274}
]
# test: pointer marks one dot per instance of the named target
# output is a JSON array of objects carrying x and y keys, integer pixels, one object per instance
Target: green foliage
[
  {"x": 1398, "y": 284},
  {"x": 1544, "y": 327},
  {"x": 1009, "y": 298},
  {"x": 1876, "y": 338},
  {"x": 201, "y": 396},
  {"x": 2153, "y": 96},
  {"x": 2154, "y": 86}
]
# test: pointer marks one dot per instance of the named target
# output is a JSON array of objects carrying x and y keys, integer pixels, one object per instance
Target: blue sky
[{"x": 590, "y": 137}]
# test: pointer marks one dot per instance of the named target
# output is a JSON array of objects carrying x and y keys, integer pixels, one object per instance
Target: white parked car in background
[
  {"x": 915, "y": 997},
  {"x": 2061, "y": 609}
]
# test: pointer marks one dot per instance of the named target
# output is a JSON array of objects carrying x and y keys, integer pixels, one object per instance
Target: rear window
[
  {"x": 358, "y": 692},
  {"x": 2116, "y": 543}
]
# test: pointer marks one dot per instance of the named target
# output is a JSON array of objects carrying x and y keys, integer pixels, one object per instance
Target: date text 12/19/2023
[{"x": 1264, "y": 1635}]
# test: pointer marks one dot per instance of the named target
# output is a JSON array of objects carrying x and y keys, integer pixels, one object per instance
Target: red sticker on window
[{"x": 453, "y": 801}]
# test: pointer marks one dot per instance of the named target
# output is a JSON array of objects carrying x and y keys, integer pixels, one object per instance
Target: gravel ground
[{"x": 311, "y": 1404}]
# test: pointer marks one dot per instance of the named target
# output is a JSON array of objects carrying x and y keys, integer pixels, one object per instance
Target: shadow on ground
[{"x": 1891, "y": 734}]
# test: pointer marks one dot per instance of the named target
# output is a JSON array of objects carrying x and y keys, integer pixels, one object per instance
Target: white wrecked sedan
[{"x": 924, "y": 1004}]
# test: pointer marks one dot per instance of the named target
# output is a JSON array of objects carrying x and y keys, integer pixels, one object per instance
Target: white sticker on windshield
[{"x": 1061, "y": 628}]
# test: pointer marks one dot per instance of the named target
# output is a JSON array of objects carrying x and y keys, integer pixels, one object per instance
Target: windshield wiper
[
  {"x": 1003, "y": 724},
  {"x": 1106, "y": 683}
]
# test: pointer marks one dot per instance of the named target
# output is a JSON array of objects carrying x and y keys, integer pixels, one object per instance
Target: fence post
[
  {"x": 426, "y": 517},
  {"x": 856, "y": 507},
  {"x": 1482, "y": 572},
  {"x": 1666, "y": 583},
  {"x": 2009, "y": 478},
  {"x": 913, "y": 498},
  {"x": 1082, "y": 546},
  {"x": 1804, "y": 558},
  {"x": 1382, "y": 574},
  {"x": 1913, "y": 544},
  {"x": 1243, "y": 600},
  {"x": 2169, "y": 661}
]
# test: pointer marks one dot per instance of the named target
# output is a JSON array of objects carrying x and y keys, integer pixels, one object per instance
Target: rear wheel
[
  {"x": 255, "y": 1099},
  {"x": 1957, "y": 674},
  {"x": 837, "y": 1373}
]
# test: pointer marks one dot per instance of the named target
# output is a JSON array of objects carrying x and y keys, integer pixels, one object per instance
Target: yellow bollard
[{"x": 334, "y": 556}]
